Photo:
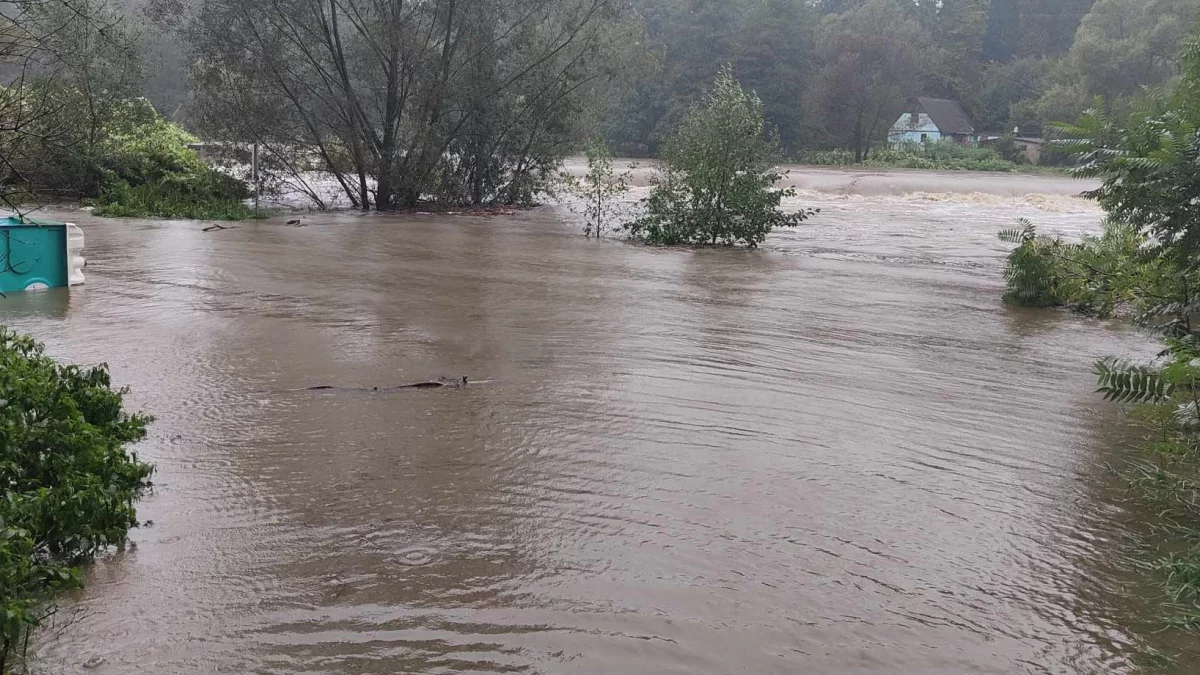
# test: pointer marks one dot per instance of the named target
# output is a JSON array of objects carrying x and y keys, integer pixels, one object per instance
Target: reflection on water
[{"x": 840, "y": 454}]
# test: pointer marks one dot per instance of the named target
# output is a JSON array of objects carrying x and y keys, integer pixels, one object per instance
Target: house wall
[
  {"x": 1033, "y": 150},
  {"x": 910, "y": 130}
]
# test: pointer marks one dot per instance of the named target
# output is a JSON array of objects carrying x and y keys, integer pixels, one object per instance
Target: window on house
[
  {"x": 915, "y": 119},
  {"x": 924, "y": 137}
]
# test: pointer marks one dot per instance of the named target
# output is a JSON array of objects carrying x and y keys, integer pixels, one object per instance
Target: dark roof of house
[{"x": 947, "y": 115}]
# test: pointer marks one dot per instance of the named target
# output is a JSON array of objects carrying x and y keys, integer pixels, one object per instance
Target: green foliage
[
  {"x": 1115, "y": 272},
  {"x": 600, "y": 188},
  {"x": 128, "y": 161},
  {"x": 1123, "y": 382},
  {"x": 1169, "y": 480},
  {"x": 875, "y": 56},
  {"x": 1001, "y": 101},
  {"x": 1036, "y": 275},
  {"x": 1145, "y": 266},
  {"x": 465, "y": 103},
  {"x": 1122, "y": 46},
  {"x": 944, "y": 155},
  {"x": 147, "y": 169},
  {"x": 769, "y": 44},
  {"x": 68, "y": 482},
  {"x": 201, "y": 196},
  {"x": 836, "y": 73},
  {"x": 1149, "y": 167},
  {"x": 1027, "y": 28},
  {"x": 1181, "y": 574},
  {"x": 718, "y": 183}
]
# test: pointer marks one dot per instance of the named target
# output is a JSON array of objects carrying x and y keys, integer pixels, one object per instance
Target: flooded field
[{"x": 839, "y": 454}]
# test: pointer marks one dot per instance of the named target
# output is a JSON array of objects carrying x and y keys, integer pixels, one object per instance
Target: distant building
[
  {"x": 929, "y": 120},
  {"x": 1030, "y": 146}
]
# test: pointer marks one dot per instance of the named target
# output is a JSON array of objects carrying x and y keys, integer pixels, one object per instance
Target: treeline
[
  {"x": 374, "y": 104},
  {"x": 832, "y": 74},
  {"x": 836, "y": 73},
  {"x": 380, "y": 104}
]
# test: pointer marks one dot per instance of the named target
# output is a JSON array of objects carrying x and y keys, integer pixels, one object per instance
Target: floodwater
[{"x": 838, "y": 454}]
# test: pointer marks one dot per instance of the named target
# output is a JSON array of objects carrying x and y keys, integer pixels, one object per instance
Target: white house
[{"x": 929, "y": 120}]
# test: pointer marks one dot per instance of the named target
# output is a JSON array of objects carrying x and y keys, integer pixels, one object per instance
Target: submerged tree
[
  {"x": 599, "y": 189},
  {"x": 718, "y": 181},
  {"x": 461, "y": 102}
]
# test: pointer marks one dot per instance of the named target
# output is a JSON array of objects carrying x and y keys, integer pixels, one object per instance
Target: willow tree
[{"x": 464, "y": 102}]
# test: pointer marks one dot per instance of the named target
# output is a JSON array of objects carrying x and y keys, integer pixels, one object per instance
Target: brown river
[{"x": 837, "y": 454}]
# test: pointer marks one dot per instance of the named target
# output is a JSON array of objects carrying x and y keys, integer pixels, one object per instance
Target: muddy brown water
[{"x": 839, "y": 454}]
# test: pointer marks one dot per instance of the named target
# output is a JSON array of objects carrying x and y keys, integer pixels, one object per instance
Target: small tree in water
[
  {"x": 599, "y": 189},
  {"x": 718, "y": 181}
]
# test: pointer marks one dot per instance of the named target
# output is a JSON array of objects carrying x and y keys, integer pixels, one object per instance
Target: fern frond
[
  {"x": 1019, "y": 235},
  {"x": 1123, "y": 382}
]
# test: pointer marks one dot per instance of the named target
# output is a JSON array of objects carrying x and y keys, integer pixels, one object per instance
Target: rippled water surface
[{"x": 839, "y": 454}]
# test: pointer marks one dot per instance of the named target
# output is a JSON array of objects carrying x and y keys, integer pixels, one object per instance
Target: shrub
[
  {"x": 600, "y": 188},
  {"x": 826, "y": 157},
  {"x": 68, "y": 482},
  {"x": 943, "y": 155},
  {"x": 124, "y": 159},
  {"x": 147, "y": 169},
  {"x": 1097, "y": 275},
  {"x": 719, "y": 176}
]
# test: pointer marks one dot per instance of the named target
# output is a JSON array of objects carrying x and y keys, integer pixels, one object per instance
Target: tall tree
[
  {"x": 68, "y": 65},
  {"x": 1121, "y": 47},
  {"x": 464, "y": 102},
  {"x": 875, "y": 58},
  {"x": 774, "y": 58},
  {"x": 954, "y": 62},
  {"x": 768, "y": 42},
  {"x": 1021, "y": 28}
]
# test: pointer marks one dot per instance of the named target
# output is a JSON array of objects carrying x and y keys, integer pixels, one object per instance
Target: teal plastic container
[{"x": 33, "y": 254}]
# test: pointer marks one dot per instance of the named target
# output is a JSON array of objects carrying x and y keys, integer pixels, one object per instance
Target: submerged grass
[
  {"x": 1181, "y": 575},
  {"x": 163, "y": 200},
  {"x": 1166, "y": 482}
]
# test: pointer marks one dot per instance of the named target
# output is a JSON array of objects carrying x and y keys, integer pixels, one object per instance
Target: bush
[
  {"x": 826, "y": 158},
  {"x": 1006, "y": 146},
  {"x": 68, "y": 482},
  {"x": 123, "y": 158},
  {"x": 718, "y": 181},
  {"x": 599, "y": 190},
  {"x": 1098, "y": 275},
  {"x": 147, "y": 169},
  {"x": 944, "y": 155},
  {"x": 1145, "y": 264}
]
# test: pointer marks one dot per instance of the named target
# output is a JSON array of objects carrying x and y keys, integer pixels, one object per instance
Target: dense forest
[
  {"x": 834, "y": 73},
  {"x": 831, "y": 73}
]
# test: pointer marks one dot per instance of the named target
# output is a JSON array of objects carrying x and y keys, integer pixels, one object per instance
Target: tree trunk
[{"x": 859, "y": 156}]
